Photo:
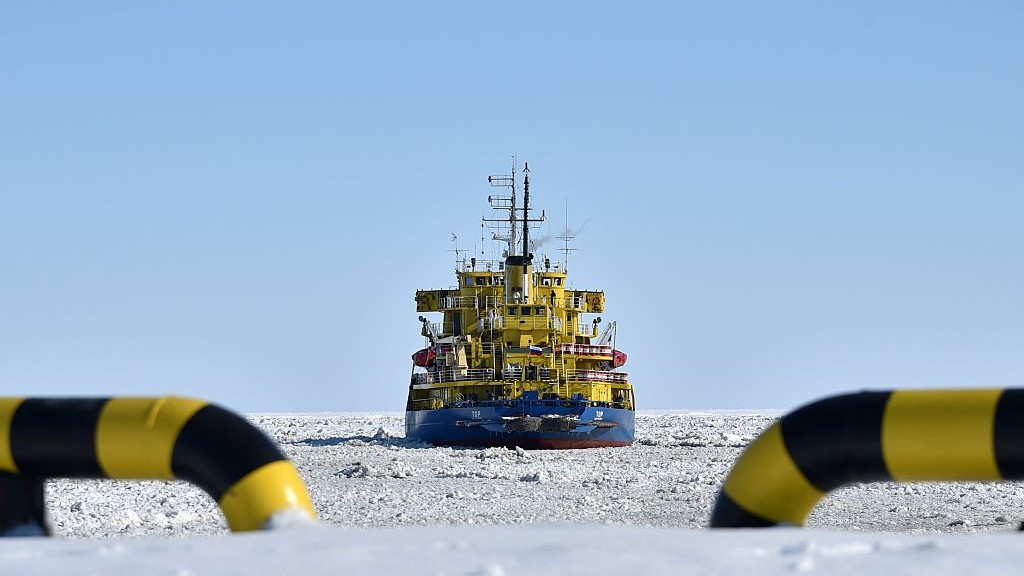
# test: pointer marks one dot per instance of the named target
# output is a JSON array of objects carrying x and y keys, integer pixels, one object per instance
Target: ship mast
[
  {"x": 518, "y": 263},
  {"x": 527, "y": 256},
  {"x": 512, "y": 212},
  {"x": 505, "y": 203},
  {"x": 526, "y": 212}
]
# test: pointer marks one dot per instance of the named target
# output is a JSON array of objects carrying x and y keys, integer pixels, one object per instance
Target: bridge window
[
  {"x": 558, "y": 281},
  {"x": 511, "y": 310},
  {"x": 526, "y": 310},
  {"x": 545, "y": 281},
  {"x": 480, "y": 280}
]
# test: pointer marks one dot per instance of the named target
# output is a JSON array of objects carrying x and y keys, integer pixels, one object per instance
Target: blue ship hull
[{"x": 537, "y": 424}]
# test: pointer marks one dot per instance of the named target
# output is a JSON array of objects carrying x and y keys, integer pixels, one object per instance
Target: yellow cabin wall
[{"x": 546, "y": 289}]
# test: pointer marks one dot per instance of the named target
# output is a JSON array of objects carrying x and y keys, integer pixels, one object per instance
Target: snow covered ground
[{"x": 390, "y": 506}]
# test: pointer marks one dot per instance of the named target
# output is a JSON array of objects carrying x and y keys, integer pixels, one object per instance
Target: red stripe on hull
[{"x": 539, "y": 443}]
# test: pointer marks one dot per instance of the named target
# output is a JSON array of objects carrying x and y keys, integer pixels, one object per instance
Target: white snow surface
[{"x": 387, "y": 505}]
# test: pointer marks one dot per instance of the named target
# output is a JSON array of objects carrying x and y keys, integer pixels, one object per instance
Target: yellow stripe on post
[
  {"x": 135, "y": 437},
  {"x": 941, "y": 435},
  {"x": 8, "y": 406},
  {"x": 271, "y": 488},
  {"x": 765, "y": 481}
]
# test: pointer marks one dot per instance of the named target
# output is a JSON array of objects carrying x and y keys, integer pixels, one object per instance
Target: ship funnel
[{"x": 518, "y": 274}]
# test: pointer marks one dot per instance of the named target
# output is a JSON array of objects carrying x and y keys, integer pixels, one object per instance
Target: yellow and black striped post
[
  {"x": 164, "y": 438},
  {"x": 899, "y": 435}
]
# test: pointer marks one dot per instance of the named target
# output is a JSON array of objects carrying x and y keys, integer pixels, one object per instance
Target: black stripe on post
[
  {"x": 217, "y": 448},
  {"x": 838, "y": 440},
  {"x": 1008, "y": 429},
  {"x": 56, "y": 438},
  {"x": 729, "y": 514}
]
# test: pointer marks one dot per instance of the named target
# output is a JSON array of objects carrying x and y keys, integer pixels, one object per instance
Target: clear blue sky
[{"x": 238, "y": 200}]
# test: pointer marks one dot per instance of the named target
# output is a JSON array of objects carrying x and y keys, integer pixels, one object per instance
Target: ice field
[{"x": 390, "y": 506}]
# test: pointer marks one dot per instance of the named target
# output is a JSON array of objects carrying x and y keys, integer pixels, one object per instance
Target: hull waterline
[{"x": 600, "y": 427}]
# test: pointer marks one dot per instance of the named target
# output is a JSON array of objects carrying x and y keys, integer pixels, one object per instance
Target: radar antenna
[
  {"x": 505, "y": 203},
  {"x": 567, "y": 236},
  {"x": 509, "y": 204},
  {"x": 455, "y": 241}
]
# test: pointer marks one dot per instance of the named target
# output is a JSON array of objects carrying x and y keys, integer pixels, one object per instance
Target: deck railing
[
  {"x": 455, "y": 302},
  {"x": 597, "y": 376},
  {"x": 496, "y": 323},
  {"x": 453, "y": 375},
  {"x": 585, "y": 349}
]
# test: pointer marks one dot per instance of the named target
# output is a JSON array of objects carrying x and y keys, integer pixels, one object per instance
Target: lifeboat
[{"x": 424, "y": 357}]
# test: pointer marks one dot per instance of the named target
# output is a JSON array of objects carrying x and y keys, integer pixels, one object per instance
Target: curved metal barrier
[
  {"x": 163, "y": 438},
  {"x": 900, "y": 435}
]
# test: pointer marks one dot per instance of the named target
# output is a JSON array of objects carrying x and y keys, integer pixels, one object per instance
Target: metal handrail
[
  {"x": 584, "y": 349},
  {"x": 454, "y": 302},
  {"x": 496, "y": 323},
  {"x": 427, "y": 404},
  {"x": 597, "y": 376},
  {"x": 454, "y": 375}
]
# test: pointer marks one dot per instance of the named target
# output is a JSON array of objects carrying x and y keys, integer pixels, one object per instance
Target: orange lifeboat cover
[{"x": 424, "y": 357}]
